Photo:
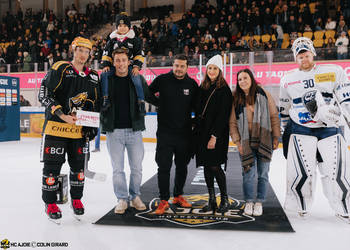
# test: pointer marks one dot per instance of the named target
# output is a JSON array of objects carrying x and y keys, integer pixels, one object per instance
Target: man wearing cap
[
  {"x": 66, "y": 88},
  {"x": 312, "y": 100},
  {"x": 177, "y": 92}
]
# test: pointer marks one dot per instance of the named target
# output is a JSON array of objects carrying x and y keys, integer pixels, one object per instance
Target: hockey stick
[{"x": 88, "y": 173}]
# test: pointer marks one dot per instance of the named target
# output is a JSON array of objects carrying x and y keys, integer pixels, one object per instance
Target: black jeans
[{"x": 169, "y": 145}]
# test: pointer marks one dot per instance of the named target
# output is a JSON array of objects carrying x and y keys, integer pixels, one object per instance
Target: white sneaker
[
  {"x": 121, "y": 206},
  {"x": 258, "y": 209},
  {"x": 137, "y": 204},
  {"x": 248, "y": 208}
]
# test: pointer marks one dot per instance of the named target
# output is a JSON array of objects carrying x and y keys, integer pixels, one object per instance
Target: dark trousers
[
  {"x": 169, "y": 145},
  {"x": 53, "y": 151}
]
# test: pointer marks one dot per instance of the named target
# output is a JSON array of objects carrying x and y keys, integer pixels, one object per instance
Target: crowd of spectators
[
  {"x": 204, "y": 29},
  {"x": 42, "y": 37},
  {"x": 210, "y": 30}
]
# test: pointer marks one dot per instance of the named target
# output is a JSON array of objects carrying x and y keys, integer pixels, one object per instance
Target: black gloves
[{"x": 89, "y": 132}]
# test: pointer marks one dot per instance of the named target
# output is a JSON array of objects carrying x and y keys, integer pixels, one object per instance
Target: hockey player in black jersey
[
  {"x": 123, "y": 37},
  {"x": 66, "y": 88}
]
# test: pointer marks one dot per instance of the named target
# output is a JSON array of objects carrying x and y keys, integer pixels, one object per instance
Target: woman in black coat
[{"x": 213, "y": 112}]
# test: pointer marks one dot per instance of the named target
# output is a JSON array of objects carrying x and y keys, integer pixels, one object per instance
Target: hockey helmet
[
  {"x": 303, "y": 44},
  {"x": 123, "y": 18},
  {"x": 81, "y": 42}
]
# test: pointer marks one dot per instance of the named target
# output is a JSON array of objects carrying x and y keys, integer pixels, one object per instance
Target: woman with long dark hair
[
  {"x": 255, "y": 129},
  {"x": 213, "y": 113}
]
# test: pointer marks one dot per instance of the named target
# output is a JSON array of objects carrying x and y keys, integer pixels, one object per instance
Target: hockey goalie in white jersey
[{"x": 313, "y": 100}]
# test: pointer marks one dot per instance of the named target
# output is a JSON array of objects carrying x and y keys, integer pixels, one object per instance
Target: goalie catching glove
[{"x": 329, "y": 114}]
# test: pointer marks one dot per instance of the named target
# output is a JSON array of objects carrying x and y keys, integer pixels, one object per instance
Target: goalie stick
[{"x": 88, "y": 173}]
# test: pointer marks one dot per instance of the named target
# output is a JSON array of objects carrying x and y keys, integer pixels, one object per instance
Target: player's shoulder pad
[
  {"x": 60, "y": 65},
  {"x": 330, "y": 67},
  {"x": 289, "y": 73}
]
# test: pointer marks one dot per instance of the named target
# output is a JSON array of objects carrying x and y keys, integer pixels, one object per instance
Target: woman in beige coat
[{"x": 255, "y": 129}]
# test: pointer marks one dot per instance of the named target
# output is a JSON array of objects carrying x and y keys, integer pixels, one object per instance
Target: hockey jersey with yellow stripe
[{"x": 67, "y": 89}]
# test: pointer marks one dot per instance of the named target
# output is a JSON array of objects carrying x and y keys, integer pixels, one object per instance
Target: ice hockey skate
[
  {"x": 54, "y": 213},
  {"x": 78, "y": 209}
]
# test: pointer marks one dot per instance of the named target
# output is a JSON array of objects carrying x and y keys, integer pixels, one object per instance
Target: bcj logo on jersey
[
  {"x": 54, "y": 151},
  {"x": 83, "y": 150}
]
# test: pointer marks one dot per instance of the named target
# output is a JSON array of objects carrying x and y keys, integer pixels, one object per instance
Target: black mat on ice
[{"x": 273, "y": 219}]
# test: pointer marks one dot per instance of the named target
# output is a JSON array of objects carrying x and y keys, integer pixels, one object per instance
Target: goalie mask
[{"x": 302, "y": 44}]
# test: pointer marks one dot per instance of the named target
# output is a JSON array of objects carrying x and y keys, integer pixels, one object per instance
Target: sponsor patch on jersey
[
  {"x": 291, "y": 83},
  {"x": 63, "y": 130},
  {"x": 325, "y": 77},
  {"x": 70, "y": 73},
  {"x": 130, "y": 45},
  {"x": 284, "y": 100},
  {"x": 343, "y": 85},
  {"x": 94, "y": 77},
  {"x": 305, "y": 117}
]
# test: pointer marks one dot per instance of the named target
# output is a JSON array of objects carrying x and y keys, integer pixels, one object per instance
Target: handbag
[{"x": 197, "y": 125}]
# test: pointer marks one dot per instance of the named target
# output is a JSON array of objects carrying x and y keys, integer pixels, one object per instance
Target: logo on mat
[
  {"x": 50, "y": 181},
  {"x": 194, "y": 216}
]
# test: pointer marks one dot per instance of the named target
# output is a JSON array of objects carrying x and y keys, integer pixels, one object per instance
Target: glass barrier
[{"x": 268, "y": 67}]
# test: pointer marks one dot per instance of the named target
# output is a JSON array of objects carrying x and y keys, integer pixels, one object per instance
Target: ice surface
[{"x": 22, "y": 217}]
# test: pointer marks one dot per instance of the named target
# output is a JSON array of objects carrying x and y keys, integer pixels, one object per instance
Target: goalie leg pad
[
  {"x": 301, "y": 172},
  {"x": 335, "y": 173}
]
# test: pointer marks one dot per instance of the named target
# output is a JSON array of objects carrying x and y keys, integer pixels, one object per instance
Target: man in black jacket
[
  {"x": 177, "y": 92},
  {"x": 123, "y": 123}
]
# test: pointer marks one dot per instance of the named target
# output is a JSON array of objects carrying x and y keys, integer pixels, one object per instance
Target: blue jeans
[
  {"x": 135, "y": 79},
  {"x": 117, "y": 141},
  {"x": 262, "y": 168}
]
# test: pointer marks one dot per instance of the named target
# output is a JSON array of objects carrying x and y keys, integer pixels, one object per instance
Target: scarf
[
  {"x": 130, "y": 34},
  {"x": 261, "y": 138}
]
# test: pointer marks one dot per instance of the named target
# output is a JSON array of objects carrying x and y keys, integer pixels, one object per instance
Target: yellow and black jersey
[{"x": 67, "y": 89}]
